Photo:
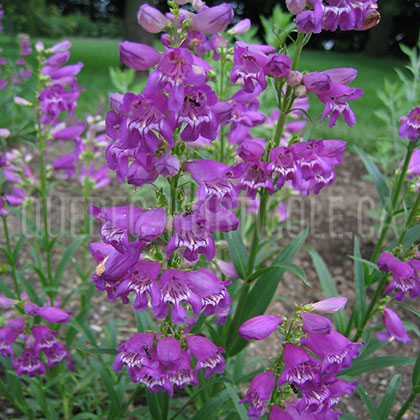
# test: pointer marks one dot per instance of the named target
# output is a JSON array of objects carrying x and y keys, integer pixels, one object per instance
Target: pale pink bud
[
  {"x": 196, "y": 4},
  {"x": 330, "y": 305},
  {"x": 227, "y": 269},
  {"x": 295, "y": 6},
  {"x": 4, "y": 133},
  {"x": 21, "y": 101},
  {"x": 151, "y": 19},
  {"x": 300, "y": 91},
  {"x": 294, "y": 78},
  {"x": 39, "y": 46},
  {"x": 241, "y": 27},
  {"x": 182, "y": 2}
]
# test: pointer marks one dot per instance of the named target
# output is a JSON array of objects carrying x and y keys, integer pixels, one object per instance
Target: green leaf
[
  {"x": 220, "y": 379},
  {"x": 385, "y": 406},
  {"x": 27, "y": 286},
  {"x": 375, "y": 363},
  {"x": 65, "y": 260},
  {"x": 286, "y": 266},
  {"x": 328, "y": 286},
  {"x": 415, "y": 379},
  {"x": 238, "y": 253},
  {"x": 209, "y": 409},
  {"x": 98, "y": 350},
  {"x": 359, "y": 285},
  {"x": 240, "y": 409},
  {"x": 348, "y": 417},
  {"x": 409, "y": 308},
  {"x": 18, "y": 246},
  {"x": 116, "y": 403},
  {"x": 144, "y": 322},
  {"x": 412, "y": 235},
  {"x": 82, "y": 416},
  {"x": 6, "y": 290},
  {"x": 264, "y": 290},
  {"x": 372, "y": 344},
  {"x": 376, "y": 175},
  {"x": 368, "y": 402}
]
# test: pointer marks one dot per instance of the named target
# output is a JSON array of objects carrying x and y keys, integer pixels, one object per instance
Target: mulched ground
[{"x": 334, "y": 217}]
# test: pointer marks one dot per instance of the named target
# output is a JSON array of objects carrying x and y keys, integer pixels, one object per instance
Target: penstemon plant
[{"x": 199, "y": 275}]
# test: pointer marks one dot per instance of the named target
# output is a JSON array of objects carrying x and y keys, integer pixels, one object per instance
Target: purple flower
[
  {"x": 46, "y": 342},
  {"x": 167, "y": 165},
  {"x": 316, "y": 324},
  {"x": 394, "y": 328},
  {"x": 138, "y": 56},
  {"x": 404, "y": 279},
  {"x": 60, "y": 47},
  {"x": 16, "y": 197},
  {"x": 249, "y": 68},
  {"x": 410, "y": 125},
  {"x": 335, "y": 100},
  {"x": 58, "y": 59},
  {"x": 197, "y": 114},
  {"x": 255, "y": 175},
  {"x": 142, "y": 279},
  {"x": 6, "y": 302},
  {"x": 284, "y": 164},
  {"x": 336, "y": 350},
  {"x": 192, "y": 232},
  {"x": 28, "y": 364},
  {"x": 278, "y": 66},
  {"x": 259, "y": 393},
  {"x": 208, "y": 355},
  {"x": 317, "y": 82},
  {"x": 151, "y": 19},
  {"x": 180, "y": 373},
  {"x": 299, "y": 367},
  {"x": 213, "y": 178},
  {"x": 309, "y": 21},
  {"x": 134, "y": 350},
  {"x": 71, "y": 132},
  {"x": 168, "y": 350},
  {"x": 9, "y": 334},
  {"x": 259, "y": 327},
  {"x": 211, "y": 20}
]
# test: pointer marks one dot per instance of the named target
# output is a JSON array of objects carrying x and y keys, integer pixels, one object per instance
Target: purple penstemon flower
[
  {"x": 196, "y": 113},
  {"x": 211, "y": 20},
  {"x": 248, "y": 70},
  {"x": 255, "y": 175},
  {"x": 336, "y": 350},
  {"x": 213, "y": 178},
  {"x": 259, "y": 392},
  {"x": 192, "y": 232},
  {"x": 138, "y": 56},
  {"x": 208, "y": 355},
  {"x": 259, "y": 327},
  {"x": 394, "y": 328},
  {"x": 410, "y": 125},
  {"x": 28, "y": 364}
]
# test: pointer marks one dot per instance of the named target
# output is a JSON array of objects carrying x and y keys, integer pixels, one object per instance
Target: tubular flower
[
  {"x": 259, "y": 327},
  {"x": 259, "y": 393}
]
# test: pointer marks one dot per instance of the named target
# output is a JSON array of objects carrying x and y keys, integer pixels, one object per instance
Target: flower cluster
[
  {"x": 313, "y": 16},
  {"x": 163, "y": 363},
  {"x": 296, "y": 370},
  {"x": 16, "y": 180},
  {"x": 22, "y": 70},
  {"x": 405, "y": 280},
  {"x": 39, "y": 341}
]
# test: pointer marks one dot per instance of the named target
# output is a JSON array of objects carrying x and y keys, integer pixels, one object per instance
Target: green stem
[
  {"x": 12, "y": 259},
  {"x": 407, "y": 404},
  {"x": 259, "y": 225},
  {"x": 288, "y": 97},
  {"x": 415, "y": 210},
  {"x": 396, "y": 191},
  {"x": 371, "y": 308}
]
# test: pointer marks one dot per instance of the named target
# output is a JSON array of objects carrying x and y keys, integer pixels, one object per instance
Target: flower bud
[
  {"x": 295, "y": 6},
  {"x": 240, "y": 28},
  {"x": 6, "y": 302},
  {"x": 278, "y": 66},
  {"x": 21, "y": 101},
  {"x": 31, "y": 309},
  {"x": 213, "y": 19},
  {"x": 39, "y": 46},
  {"x": 330, "y": 305},
  {"x": 52, "y": 314},
  {"x": 316, "y": 324},
  {"x": 394, "y": 328},
  {"x": 60, "y": 47},
  {"x": 300, "y": 91},
  {"x": 151, "y": 19},
  {"x": 196, "y": 4},
  {"x": 4, "y": 133},
  {"x": 259, "y": 327},
  {"x": 138, "y": 56}
]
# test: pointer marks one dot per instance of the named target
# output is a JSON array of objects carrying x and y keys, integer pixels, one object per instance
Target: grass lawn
[{"x": 99, "y": 54}]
